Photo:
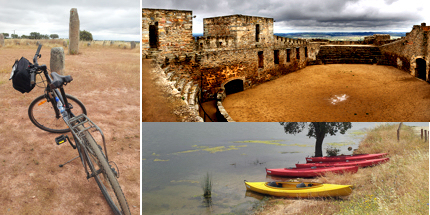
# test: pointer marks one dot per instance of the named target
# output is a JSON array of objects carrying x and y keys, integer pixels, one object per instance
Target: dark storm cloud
[
  {"x": 331, "y": 15},
  {"x": 105, "y": 19}
]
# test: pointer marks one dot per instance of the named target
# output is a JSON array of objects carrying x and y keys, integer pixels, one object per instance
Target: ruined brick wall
[
  {"x": 211, "y": 43},
  {"x": 404, "y": 52},
  {"x": 174, "y": 29},
  {"x": 218, "y": 66},
  {"x": 377, "y": 39}
]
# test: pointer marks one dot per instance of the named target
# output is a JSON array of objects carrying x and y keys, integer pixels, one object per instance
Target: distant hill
[{"x": 353, "y": 36}]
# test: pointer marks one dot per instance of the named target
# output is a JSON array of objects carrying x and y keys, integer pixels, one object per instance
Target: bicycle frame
[{"x": 70, "y": 118}]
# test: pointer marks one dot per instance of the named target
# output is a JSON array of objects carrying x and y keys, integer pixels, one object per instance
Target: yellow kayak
[{"x": 290, "y": 189}]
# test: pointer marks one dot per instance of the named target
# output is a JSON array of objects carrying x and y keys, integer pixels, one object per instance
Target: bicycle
[{"x": 53, "y": 107}]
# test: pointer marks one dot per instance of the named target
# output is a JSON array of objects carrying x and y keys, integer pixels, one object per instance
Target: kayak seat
[
  {"x": 274, "y": 184},
  {"x": 301, "y": 185}
]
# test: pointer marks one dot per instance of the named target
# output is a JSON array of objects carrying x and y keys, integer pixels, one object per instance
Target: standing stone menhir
[
  {"x": 1, "y": 40},
  {"x": 133, "y": 44},
  {"x": 57, "y": 60},
  {"x": 74, "y": 32}
]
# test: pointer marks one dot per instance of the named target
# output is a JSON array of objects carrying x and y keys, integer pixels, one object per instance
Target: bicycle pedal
[{"x": 61, "y": 139}]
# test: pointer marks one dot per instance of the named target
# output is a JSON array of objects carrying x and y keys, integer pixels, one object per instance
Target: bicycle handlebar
[{"x": 37, "y": 54}]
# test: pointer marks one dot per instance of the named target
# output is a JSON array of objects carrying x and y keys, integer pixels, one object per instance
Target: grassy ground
[
  {"x": 26, "y": 43},
  {"x": 400, "y": 186},
  {"x": 107, "y": 81}
]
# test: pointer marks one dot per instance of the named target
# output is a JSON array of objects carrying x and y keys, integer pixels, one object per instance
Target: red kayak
[
  {"x": 310, "y": 172},
  {"x": 345, "y": 158},
  {"x": 359, "y": 163}
]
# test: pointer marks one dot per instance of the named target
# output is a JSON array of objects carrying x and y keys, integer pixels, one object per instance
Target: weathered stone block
[
  {"x": 1, "y": 40},
  {"x": 57, "y": 61}
]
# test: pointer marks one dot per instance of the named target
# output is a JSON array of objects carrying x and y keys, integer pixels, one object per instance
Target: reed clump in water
[{"x": 207, "y": 186}]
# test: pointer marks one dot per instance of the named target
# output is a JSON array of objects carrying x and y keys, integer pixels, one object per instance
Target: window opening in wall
[
  {"x": 288, "y": 55},
  {"x": 306, "y": 51},
  {"x": 260, "y": 60},
  {"x": 276, "y": 56},
  {"x": 219, "y": 44},
  {"x": 201, "y": 45},
  {"x": 153, "y": 35},
  {"x": 257, "y": 32},
  {"x": 297, "y": 53},
  {"x": 420, "y": 71}
]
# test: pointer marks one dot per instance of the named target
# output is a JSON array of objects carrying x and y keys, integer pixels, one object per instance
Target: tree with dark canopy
[
  {"x": 319, "y": 130},
  {"x": 85, "y": 36}
]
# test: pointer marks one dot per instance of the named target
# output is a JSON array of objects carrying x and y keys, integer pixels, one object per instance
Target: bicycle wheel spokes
[
  {"x": 104, "y": 176},
  {"x": 104, "y": 182},
  {"x": 42, "y": 114}
]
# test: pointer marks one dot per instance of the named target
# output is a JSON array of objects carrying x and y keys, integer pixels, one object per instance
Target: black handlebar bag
[{"x": 21, "y": 78}]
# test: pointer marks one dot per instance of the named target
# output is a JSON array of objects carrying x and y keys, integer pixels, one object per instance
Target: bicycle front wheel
[
  {"x": 104, "y": 176},
  {"x": 42, "y": 114}
]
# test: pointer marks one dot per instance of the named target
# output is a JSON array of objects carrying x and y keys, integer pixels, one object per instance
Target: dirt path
[
  {"x": 161, "y": 102},
  {"x": 106, "y": 80},
  {"x": 155, "y": 107},
  {"x": 337, "y": 92}
]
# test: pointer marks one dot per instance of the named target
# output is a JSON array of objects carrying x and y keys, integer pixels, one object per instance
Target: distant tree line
[{"x": 84, "y": 35}]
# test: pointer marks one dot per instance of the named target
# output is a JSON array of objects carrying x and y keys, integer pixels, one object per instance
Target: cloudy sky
[
  {"x": 105, "y": 19},
  {"x": 311, "y": 15}
]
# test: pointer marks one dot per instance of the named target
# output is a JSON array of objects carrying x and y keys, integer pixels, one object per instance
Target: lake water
[{"x": 177, "y": 156}]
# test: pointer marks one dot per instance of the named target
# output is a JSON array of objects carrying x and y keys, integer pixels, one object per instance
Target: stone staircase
[
  {"x": 350, "y": 55},
  {"x": 188, "y": 89}
]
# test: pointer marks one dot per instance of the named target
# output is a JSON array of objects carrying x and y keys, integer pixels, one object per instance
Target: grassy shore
[{"x": 400, "y": 186}]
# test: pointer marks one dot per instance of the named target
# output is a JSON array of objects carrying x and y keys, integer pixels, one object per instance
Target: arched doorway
[
  {"x": 420, "y": 70},
  {"x": 233, "y": 86}
]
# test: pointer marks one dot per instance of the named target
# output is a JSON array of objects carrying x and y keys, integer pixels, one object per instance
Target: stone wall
[
  {"x": 242, "y": 28},
  {"x": 404, "y": 52},
  {"x": 173, "y": 32}
]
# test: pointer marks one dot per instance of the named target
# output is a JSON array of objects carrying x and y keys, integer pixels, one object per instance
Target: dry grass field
[{"x": 107, "y": 81}]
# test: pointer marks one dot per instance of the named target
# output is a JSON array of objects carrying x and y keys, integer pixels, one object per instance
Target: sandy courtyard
[{"x": 336, "y": 92}]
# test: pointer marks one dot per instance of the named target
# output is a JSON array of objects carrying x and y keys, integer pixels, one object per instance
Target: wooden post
[
  {"x": 422, "y": 133},
  {"x": 425, "y": 135},
  {"x": 398, "y": 132}
]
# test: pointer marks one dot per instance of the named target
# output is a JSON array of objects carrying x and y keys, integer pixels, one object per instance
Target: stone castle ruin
[{"x": 238, "y": 52}]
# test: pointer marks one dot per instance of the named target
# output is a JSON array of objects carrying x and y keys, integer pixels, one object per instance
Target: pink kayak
[
  {"x": 310, "y": 172},
  {"x": 359, "y": 163},
  {"x": 345, "y": 158}
]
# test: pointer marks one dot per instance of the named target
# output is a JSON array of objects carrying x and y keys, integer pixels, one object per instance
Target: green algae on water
[
  {"x": 290, "y": 152},
  {"x": 300, "y": 145},
  {"x": 188, "y": 151},
  {"x": 341, "y": 144},
  {"x": 268, "y": 142},
  {"x": 184, "y": 181}
]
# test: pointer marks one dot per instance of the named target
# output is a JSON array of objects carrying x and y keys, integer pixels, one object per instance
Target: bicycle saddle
[{"x": 59, "y": 80}]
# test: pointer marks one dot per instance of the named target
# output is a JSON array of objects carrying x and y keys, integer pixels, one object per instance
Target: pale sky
[
  {"x": 105, "y": 19},
  {"x": 311, "y": 15}
]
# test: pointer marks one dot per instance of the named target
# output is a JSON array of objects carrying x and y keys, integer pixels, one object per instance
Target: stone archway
[
  {"x": 420, "y": 70},
  {"x": 233, "y": 85}
]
